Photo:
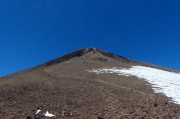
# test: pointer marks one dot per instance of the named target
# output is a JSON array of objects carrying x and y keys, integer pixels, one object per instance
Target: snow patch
[
  {"x": 47, "y": 114},
  {"x": 162, "y": 81},
  {"x": 37, "y": 112}
]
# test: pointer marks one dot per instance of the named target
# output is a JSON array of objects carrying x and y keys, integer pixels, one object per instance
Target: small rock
[
  {"x": 155, "y": 104},
  {"x": 29, "y": 117}
]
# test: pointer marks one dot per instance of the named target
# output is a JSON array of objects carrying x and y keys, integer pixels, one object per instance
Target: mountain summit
[
  {"x": 85, "y": 51},
  {"x": 91, "y": 84}
]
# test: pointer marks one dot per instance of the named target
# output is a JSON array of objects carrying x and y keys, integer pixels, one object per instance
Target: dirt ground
[{"x": 66, "y": 89}]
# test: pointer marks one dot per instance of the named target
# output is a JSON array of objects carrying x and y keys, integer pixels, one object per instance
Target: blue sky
[{"x": 35, "y": 31}]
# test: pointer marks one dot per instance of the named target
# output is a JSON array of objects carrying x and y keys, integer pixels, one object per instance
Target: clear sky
[{"x": 35, "y": 31}]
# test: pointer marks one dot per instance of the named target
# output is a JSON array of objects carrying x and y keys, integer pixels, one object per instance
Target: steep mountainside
[{"x": 67, "y": 88}]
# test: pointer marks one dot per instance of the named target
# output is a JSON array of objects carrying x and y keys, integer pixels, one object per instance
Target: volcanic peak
[{"x": 81, "y": 52}]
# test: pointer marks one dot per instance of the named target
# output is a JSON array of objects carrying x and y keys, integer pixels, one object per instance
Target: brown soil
[{"x": 64, "y": 88}]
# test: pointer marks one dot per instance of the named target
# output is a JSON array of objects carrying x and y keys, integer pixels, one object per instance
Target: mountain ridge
[
  {"x": 65, "y": 88},
  {"x": 82, "y": 51}
]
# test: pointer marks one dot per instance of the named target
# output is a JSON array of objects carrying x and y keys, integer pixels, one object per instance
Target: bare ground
[{"x": 64, "y": 88}]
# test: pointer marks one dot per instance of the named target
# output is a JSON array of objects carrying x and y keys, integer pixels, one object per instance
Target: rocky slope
[{"x": 65, "y": 88}]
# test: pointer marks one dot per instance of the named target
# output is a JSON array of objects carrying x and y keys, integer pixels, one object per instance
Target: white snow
[
  {"x": 162, "y": 81},
  {"x": 37, "y": 112},
  {"x": 47, "y": 114}
]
